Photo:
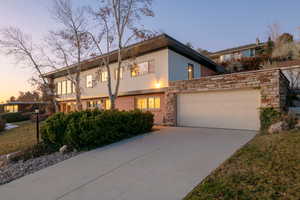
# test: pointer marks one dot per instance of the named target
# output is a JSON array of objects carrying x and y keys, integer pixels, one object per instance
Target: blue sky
[{"x": 208, "y": 24}]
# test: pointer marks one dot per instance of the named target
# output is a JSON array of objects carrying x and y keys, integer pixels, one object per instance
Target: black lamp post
[{"x": 37, "y": 126}]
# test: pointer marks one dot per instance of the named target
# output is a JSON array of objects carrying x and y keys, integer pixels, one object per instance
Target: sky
[{"x": 207, "y": 24}]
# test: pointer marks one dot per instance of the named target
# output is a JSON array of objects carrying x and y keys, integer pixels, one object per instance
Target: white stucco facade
[{"x": 168, "y": 66}]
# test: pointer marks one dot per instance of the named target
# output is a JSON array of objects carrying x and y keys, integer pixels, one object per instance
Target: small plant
[
  {"x": 35, "y": 151},
  {"x": 268, "y": 116},
  {"x": 290, "y": 119}
]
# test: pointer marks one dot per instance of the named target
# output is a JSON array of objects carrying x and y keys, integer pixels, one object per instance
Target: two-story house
[
  {"x": 245, "y": 51},
  {"x": 147, "y": 69}
]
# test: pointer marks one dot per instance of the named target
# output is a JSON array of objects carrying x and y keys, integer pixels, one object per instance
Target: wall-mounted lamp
[{"x": 157, "y": 85}]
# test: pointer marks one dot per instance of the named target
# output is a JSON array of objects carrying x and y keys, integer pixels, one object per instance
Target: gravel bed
[{"x": 21, "y": 168}]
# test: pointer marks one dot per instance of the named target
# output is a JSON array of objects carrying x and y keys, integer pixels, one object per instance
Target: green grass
[
  {"x": 18, "y": 138},
  {"x": 268, "y": 167}
]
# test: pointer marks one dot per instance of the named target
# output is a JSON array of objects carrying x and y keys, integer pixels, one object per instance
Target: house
[
  {"x": 148, "y": 68},
  {"x": 179, "y": 86},
  {"x": 14, "y": 107},
  {"x": 239, "y": 52}
]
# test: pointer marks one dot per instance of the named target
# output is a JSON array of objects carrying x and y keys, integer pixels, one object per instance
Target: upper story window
[
  {"x": 103, "y": 76},
  {"x": 58, "y": 89},
  {"x": 121, "y": 73},
  {"x": 142, "y": 68},
  {"x": 89, "y": 81},
  {"x": 190, "y": 69},
  {"x": 69, "y": 87},
  {"x": 64, "y": 87}
]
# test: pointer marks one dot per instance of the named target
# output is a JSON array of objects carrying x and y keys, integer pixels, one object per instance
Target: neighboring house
[
  {"x": 148, "y": 68},
  {"x": 14, "y": 107},
  {"x": 245, "y": 51}
]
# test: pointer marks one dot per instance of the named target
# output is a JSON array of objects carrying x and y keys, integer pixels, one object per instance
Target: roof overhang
[{"x": 157, "y": 43}]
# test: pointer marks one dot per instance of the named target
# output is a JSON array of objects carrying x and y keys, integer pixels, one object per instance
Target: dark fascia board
[{"x": 157, "y": 43}]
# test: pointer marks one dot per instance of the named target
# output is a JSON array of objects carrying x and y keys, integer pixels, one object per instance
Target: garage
[{"x": 230, "y": 109}]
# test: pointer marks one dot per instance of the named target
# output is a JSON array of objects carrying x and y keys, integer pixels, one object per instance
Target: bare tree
[
  {"x": 274, "y": 31},
  {"x": 119, "y": 20},
  {"x": 71, "y": 43},
  {"x": 15, "y": 43}
]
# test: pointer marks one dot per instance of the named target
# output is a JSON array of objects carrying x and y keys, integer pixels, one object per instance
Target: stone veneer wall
[{"x": 272, "y": 84}]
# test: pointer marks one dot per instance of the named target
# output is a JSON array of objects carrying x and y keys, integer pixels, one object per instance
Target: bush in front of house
[
  {"x": 268, "y": 116},
  {"x": 91, "y": 129},
  {"x": 2, "y": 124},
  {"x": 16, "y": 117}
]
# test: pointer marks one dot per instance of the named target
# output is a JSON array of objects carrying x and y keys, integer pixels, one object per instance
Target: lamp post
[{"x": 37, "y": 126}]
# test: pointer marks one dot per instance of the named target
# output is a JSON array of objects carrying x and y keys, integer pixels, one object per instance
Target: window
[
  {"x": 107, "y": 104},
  {"x": 140, "y": 69},
  {"x": 89, "y": 81},
  {"x": 69, "y": 87},
  {"x": 148, "y": 103},
  {"x": 73, "y": 88},
  {"x": 11, "y": 108},
  {"x": 64, "y": 87},
  {"x": 92, "y": 104},
  {"x": 104, "y": 76},
  {"x": 121, "y": 73},
  {"x": 59, "y": 88},
  {"x": 190, "y": 72}
]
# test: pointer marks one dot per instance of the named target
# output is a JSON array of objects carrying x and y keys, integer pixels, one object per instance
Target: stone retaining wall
[{"x": 272, "y": 84}]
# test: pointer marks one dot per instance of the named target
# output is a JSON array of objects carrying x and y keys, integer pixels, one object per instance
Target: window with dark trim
[
  {"x": 148, "y": 103},
  {"x": 190, "y": 69}
]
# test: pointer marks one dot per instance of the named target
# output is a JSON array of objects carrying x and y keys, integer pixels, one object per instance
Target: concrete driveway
[{"x": 163, "y": 165}]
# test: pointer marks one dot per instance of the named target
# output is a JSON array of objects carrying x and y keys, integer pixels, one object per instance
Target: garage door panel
[{"x": 238, "y": 109}]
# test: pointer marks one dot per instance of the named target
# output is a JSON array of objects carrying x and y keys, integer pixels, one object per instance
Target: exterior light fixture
[{"x": 157, "y": 85}]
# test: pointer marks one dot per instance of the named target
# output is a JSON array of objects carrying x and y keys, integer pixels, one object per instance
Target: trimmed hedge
[
  {"x": 91, "y": 129},
  {"x": 2, "y": 124},
  {"x": 16, "y": 117}
]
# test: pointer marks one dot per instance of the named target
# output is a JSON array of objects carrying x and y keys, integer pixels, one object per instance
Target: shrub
[
  {"x": 16, "y": 117},
  {"x": 290, "y": 119},
  {"x": 90, "y": 129},
  {"x": 35, "y": 151},
  {"x": 53, "y": 130},
  {"x": 268, "y": 116},
  {"x": 2, "y": 124}
]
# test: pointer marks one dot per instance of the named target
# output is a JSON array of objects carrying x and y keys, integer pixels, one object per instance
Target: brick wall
[
  {"x": 272, "y": 84},
  {"x": 207, "y": 72},
  {"x": 128, "y": 103}
]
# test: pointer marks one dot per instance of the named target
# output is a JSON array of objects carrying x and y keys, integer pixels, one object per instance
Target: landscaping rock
[
  {"x": 278, "y": 127},
  {"x": 297, "y": 126},
  {"x": 3, "y": 163},
  {"x": 15, "y": 170},
  {"x": 63, "y": 149},
  {"x": 11, "y": 156}
]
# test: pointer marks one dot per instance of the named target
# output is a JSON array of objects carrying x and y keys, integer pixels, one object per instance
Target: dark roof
[
  {"x": 235, "y": 49},
  {"x": 22, "y": 103},
  {"x": 153, "y": 44}
]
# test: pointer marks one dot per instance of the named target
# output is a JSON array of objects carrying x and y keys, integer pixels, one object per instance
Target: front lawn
[
  {"x": 18, "y": 138},
  {"x": 268, "y": 167}
]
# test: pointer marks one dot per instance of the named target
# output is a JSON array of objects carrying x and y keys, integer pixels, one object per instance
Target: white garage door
[{"x": 236, "y": 109}]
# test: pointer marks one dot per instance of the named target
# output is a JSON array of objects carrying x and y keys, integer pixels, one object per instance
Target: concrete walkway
[{"x": 163, "y": 165}]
